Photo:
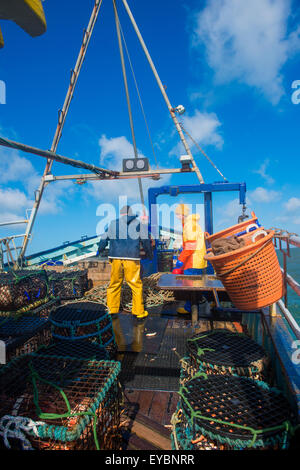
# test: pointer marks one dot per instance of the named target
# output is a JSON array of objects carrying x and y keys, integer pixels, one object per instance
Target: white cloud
[
  {"x": 248, "y": 42},
  {"x": 292, "y": 204},
  {"x": 203, "y": 128},
  {"x": 288, "y": 221},
  {"x": 13, "y": 167},
  {"x": 263, "y": 173},
  {"x": 17, "y": 169},
  {"x": 264, "y": 195},
  {"x": 229, "y": 213},
  {"x": 112, "y": 152},
  {"x": 296, "y": 220},
  {"x": 13, "y": 200},
  {"x": 13, "y": 205},
  {"x": 55, "y": 195}
]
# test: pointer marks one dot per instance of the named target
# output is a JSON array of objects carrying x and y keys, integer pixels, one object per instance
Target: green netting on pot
[
  {"x": 187, "y": 370},
  {"x": 68, "y": 285},
  {"x": 239, "y": 412},
  {"x": 54, "y": 403},
  {"x": 83, "y": 321},
  {"x": 222, "y": 351},
  {"x": 22, "y": 289},
  {"x": 183, "y": 439}
]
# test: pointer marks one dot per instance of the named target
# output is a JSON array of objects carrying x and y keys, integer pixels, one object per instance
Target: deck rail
[{"x": 281, "y": 238}]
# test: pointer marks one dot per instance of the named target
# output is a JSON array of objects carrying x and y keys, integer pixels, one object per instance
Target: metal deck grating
[{"x": 159, "y": 371}]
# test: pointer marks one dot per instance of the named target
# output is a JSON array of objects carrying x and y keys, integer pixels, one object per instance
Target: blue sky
[{"x": 231, "y": 63}]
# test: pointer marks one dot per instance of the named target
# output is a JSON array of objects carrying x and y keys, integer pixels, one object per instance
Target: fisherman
[
  {"x": 124, "y": 236},
  {"x": 191, "y": 259}
]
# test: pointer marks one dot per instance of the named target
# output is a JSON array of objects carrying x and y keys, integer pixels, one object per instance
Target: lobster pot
[
  {"x": 224, "y": 352},
  {"x": 58, "y": 403},
  {"x": 251, "y": 275},
  {"x": 69, "y": 284},
  {"x": 88, "y": 321},
  {"x": 237, "y": 412},
  {"x": 22, "y": 289},
  {"x": 23, "y": 336},
  {"x": 75, "y": 349},
  {"x": 183, "y": 439}
]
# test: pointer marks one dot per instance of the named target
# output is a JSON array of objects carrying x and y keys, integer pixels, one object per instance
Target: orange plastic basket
[
  {"x": 251, "y": 275},
  {"x": 230, "y": 231}
]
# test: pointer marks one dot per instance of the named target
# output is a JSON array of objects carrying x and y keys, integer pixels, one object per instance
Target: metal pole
[
  {"x": 295, "y": 240},
  {"x": 289, "y": 317},
  {"x": 163, "y": 91},
  {"x": 54, "y": 156},
  {"x": 272, "y": 310},
  {"x": 62, "y": 118},
  {"x": 127, "y": 95},
  {"x": 2, "y": 224},
  {"x": 154, "y": 174}
]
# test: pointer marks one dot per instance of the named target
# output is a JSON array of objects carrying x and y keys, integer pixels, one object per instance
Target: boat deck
[{"x": 150, "y": 353}]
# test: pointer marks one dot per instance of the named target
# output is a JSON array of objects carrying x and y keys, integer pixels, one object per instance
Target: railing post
[{"x": 273, "y": 310}]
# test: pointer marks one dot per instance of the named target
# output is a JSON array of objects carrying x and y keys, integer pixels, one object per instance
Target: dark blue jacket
[{"x": 124, "y": 236}]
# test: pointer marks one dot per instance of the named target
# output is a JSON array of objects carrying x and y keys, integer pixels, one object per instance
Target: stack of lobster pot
[
  {"x": 24, "y": 308},
  {"x": 225, "y": 400}
]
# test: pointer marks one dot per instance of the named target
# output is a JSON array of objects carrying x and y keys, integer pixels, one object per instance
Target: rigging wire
[
  {"x": 139, "y": 95},
  {"x": 202, "y": 151},
  {"x": 127, "y": 96},
  {"x": 163, "y": 91}
]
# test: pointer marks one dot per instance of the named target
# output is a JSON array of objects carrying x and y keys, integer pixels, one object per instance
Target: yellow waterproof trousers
[{"x": 130, "y": 269}]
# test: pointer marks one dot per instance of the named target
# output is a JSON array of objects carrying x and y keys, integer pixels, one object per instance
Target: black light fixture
[{"x": 135, "y": 164}]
